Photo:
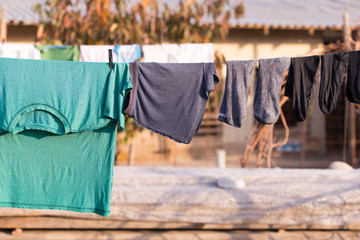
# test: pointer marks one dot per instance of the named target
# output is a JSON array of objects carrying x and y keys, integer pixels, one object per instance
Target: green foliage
[{"x": 131, "y": 128}]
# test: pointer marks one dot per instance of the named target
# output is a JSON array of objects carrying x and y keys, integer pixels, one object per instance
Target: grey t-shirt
[{"x": 170, "y": 98}]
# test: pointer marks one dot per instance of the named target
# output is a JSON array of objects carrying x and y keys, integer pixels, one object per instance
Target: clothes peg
[{"x": 111, "y": 64}]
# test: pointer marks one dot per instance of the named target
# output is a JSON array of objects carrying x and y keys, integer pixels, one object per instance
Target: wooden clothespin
[{"x": 111, "y": 64}]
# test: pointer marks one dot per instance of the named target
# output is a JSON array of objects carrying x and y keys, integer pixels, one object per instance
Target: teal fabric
[
  {"x": 64, "y": 53},
  {"x": 40, "y": 170},
  {"x": 59, "y": 96},
  {"x": 58, "y": 124}
]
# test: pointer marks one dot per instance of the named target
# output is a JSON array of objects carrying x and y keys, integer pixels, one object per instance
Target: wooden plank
[
  {"x": 352, "y": 124},
  {"x": 76, "y": 223},
  {"x": 352, "y": 132},
  {"x": 3, "y": 25},
  {"x": 178, "y": 235}
]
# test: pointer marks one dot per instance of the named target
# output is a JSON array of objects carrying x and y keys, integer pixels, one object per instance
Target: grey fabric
[
  {"x": 353, "y": 77},
  {"x": 233, "y": 105},
  {"x": 333, "y": 69},
  {"x": 268, "y": 88},
  {"x": 170, "y": 98},
  {"x": 300, "y": 83}
]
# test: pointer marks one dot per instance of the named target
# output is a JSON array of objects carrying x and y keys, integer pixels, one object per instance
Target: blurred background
[{"x": 237, "y": 30}]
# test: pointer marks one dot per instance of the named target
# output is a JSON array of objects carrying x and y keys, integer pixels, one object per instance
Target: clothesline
[
  {"x": 48, "y": 52},
  {"x": 71, "y": 146}
]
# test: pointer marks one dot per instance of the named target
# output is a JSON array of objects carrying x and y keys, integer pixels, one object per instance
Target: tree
[{"x": 147, "y": 22}]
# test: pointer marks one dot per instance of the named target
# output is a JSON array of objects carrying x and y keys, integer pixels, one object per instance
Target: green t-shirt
[
  {"x": 41, "y": 170},
  {"x": 64, "y": 53},
  {"x": 58, "y": 125},
  {"x": 60, "y": 96}
]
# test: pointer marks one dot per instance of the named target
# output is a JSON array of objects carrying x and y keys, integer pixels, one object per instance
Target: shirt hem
[
  {"x": 230, "y": 121},
  {"x": 156, "y": 131},
  {"x": 101, "y": 212}
]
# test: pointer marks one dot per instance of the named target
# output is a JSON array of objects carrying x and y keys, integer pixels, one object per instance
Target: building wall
[
  {"x": 245, "y": 44},
  {"x": 21, "y": 33}
]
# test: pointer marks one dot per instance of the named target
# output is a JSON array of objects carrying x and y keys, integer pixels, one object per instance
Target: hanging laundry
[
  {"x": 300, "y": 83},
  {"x": 52, "y": 89},
  {"x": 333, "y": 69},
  {"x": 72, "y": 172},
  {"x": 197, "y": 52},
  {"x": 16, "y": 50},
  {"x": 96, "y": 53},
  {"x": 353, "y": 82},
  {"x": 58, "y": 134},
  {"x": 162, "y": 53},
  {"x": 179, "y": 53},
  {"x": 233, "y": 105},
  {"x": 268, "y": 87},
  {"x": 170, "y": 98},
  {"x": 128, "y": 53},
  {"x": 64, "y": 53}
]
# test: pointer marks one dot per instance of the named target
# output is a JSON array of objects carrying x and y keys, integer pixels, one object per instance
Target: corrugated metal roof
[
  {"x": 258, "y": 13},
  {"x": 20, "y": 11},
  {"x": 301, "y": 13}
]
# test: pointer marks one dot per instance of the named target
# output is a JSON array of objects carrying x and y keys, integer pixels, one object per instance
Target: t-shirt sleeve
[
  {"x": 119, "y": 85},
  {"x": 211, "y": 77}
]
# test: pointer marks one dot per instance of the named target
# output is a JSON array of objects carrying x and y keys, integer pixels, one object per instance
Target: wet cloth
[
  {"x": 268, "y": 88},
  {"x": 353, "y": 82},
  {"x": 300, "y": 82},
  {"x": 16, "y": 50},
  {"x": 96, "y": 53},
  {"x": 60, "y": 97},
  {"x": 333, "y": 69},
  {"x": 64, "y": 53},
  {"x": 233, "y": 105},
  {"x": 58, "y": 127},
  {"x": 127, "y": 53},
  {"x": 170, "y": 98},
  {"x": 179, "y": 53}
]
